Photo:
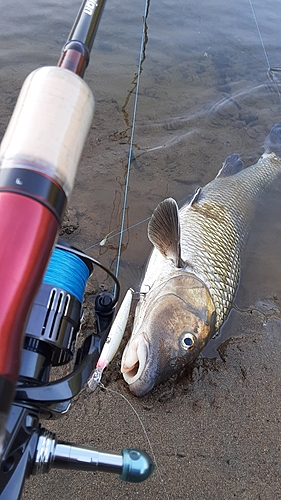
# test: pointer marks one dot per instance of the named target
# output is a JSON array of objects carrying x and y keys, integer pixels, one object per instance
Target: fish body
[{"x": 193, "y": 272}]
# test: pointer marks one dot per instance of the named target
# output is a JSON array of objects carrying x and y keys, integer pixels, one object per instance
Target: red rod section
[{"x": 27, "y": 235}]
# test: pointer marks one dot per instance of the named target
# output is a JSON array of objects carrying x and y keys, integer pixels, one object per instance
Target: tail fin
[{"x": 272, "y": 143}]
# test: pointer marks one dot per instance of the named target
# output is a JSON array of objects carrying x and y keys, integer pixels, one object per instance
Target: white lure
[{"x": 113, "y": 340}]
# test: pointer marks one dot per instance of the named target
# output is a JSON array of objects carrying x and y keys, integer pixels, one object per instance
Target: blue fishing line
[
  {"x": 67, "y": 271},
  {"x": 270, "y": 70},
  {"x": 146, "y": 8}
]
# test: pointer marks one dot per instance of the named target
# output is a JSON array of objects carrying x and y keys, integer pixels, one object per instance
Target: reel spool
[{"x": 54, "y": 320}]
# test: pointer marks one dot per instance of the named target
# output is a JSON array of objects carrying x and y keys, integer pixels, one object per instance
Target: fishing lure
[{"x": 113, "y": 340}]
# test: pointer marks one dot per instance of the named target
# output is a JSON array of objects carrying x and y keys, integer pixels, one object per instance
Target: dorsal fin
[
  {"x": 231, "y": 165},
  {"x": 164, "y": 230},
  {"x": 195, "y": 196}
]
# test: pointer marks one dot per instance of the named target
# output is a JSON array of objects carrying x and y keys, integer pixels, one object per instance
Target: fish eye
[{"x": 187, "y": 341}]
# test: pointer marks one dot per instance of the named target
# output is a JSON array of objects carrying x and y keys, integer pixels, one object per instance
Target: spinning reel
[{"x": 50, "y": 341}]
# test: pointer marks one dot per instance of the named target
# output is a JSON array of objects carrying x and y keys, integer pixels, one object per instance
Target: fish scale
[{"x": 215, "y": 227}]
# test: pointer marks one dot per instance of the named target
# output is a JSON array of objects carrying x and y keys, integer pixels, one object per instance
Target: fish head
[{"x": 172, "y": 325}]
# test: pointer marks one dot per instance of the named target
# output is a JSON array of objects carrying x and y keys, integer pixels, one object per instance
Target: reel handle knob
[{"x": 137, "y": 465}]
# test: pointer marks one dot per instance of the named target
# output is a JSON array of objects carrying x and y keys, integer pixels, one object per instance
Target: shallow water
[{"x": 204, "y": 93}]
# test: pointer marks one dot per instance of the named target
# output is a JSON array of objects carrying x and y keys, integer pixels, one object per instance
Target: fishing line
[
  {"x": 130, "y": 155},
  {"x": 117, "y": 234},
  {"x": 67, "y": 271},
  {"x": 270, "y": 70},
  {"x": 145, "y": 433},
  {"x": 74, "y": 251}
]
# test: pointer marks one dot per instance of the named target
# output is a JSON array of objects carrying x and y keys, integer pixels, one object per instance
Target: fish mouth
[{"x": 134, "y": 360}]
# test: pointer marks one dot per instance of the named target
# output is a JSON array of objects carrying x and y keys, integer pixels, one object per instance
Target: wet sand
[{"x": 215, "y": 434}]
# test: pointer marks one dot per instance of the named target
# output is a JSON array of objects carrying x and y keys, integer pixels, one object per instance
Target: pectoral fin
[{"x": 164, "y": 230}]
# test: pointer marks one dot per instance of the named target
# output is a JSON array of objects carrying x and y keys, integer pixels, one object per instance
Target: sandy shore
[{"x": 215, "y": 434}]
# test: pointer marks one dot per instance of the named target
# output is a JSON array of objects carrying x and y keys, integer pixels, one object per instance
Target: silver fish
[{"x": 193, "y": 272}]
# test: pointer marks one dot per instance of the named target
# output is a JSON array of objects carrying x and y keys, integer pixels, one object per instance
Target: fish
[{"x": 193, "y": 272}]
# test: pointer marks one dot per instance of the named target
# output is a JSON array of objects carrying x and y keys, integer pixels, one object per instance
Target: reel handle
[{"x": 132, "y": 465}]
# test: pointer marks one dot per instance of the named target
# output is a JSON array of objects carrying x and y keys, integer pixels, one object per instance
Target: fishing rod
[
  {"x": 76, "y": 51},
  {"x": 39, "y": 159},
  {"x": 40, "y": 310}
]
